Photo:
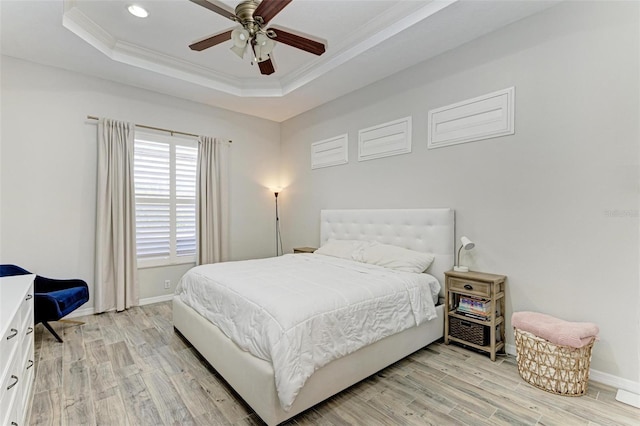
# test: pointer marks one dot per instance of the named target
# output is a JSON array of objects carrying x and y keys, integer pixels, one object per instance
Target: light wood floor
[{"x": 132, "y": 368}]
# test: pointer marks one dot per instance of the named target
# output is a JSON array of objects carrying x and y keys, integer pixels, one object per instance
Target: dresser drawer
[
  {"x": 10, "y": 343},
  {"x": 470, "y": 287},
  {"x": 26, "y": 309},
  {"x": 10, "y": 388},
  {"x": 26, "y": 342},
  {"x": 28, "y": 370}
]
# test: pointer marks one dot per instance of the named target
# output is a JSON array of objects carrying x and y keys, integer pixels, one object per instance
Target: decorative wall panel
[
  {"x": 330, "y": 152},
  {"x": 484, "y": 117},
  {"x": 386, "y": 139}
]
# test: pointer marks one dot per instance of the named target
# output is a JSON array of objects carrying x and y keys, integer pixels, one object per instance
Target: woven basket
[
  {"x": 468, "y": 331},
  {"x": 562, "y": 370}
]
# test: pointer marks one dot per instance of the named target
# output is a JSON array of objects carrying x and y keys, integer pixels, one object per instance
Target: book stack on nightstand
[
  {"x": 474, "y": 310},
  {"x": 474, "y": 307}
]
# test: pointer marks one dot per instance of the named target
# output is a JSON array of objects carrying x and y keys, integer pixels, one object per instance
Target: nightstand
[
  {"x": 474, "y": 310},
  {"x": 304, "y": 249}
]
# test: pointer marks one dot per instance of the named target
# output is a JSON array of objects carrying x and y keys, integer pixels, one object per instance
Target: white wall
[
  {"x": 48, "y": 168},
  {"x": 536, "y": 202}
]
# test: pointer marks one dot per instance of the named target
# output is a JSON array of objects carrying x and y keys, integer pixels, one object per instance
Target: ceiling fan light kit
[
  {"x": 263, "y": 47},
  {"x": 240, "y": 37},
  {"x": 239, "y": 50},
  {"x": 253, "y": 17}
]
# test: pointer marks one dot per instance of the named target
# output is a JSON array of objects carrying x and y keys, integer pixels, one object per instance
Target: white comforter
[{"x": 302, "y": 311}]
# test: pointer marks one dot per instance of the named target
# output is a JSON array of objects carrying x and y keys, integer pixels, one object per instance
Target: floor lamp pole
[{"x": 277, "y": 224}]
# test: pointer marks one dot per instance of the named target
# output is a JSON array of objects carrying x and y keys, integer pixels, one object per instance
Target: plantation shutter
[
  {"x": 152, "y": 183},
  {"x": 186, "y": 160},
  {"x": 165, "y": 188}
]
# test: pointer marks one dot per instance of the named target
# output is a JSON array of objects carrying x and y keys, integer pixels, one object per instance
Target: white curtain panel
[
  {"x": 212, "y": 200},
  {"x": 116, "y": 285}
]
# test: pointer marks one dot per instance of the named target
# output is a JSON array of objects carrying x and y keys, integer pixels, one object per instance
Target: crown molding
[
  {"x": 388, "y": 25},
  {"x": 81, "y": 25}
]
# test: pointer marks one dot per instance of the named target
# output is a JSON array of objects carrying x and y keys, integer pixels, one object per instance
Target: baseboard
[
  {"x": 146, "y": 301},
  {"x": 599, "y": 376},
  {"x": 81, "y": 312},
  {"x": 156, "y": 299},
  {"x": 615, "y": 381}
]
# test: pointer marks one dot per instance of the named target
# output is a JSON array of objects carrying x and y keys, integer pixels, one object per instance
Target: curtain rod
[{"x": 173, "y": 132}]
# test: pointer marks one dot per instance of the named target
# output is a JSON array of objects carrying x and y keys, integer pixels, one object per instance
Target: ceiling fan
[{"x": 253, "y": 17}]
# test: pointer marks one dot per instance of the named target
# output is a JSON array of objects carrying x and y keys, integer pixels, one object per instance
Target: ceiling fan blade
[
  {"x": 211, "y": 41},
  {"x": 298, "y": 42},
  {"x": 266, "y": 67},
  {"x": 216, "y": 7},
  {"x": 267, "y": 9}
]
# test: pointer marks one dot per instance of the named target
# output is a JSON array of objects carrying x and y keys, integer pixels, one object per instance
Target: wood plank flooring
[{"x": 132, "y": 368}]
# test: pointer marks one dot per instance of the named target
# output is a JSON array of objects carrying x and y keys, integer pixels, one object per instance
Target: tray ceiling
[{"x": 366, "y": 40}]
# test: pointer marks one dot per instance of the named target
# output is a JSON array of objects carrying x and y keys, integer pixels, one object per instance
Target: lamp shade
[
  {"x": 263, "y": 47},
  {"x": 265, "y": 43},
  {"x": 240, "y": 36},
  {"x": 239, "y": 50},
  {"x": 467, "y": 243}
]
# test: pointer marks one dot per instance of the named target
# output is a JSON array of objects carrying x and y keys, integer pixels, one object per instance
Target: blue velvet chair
[{"x": 54, "y": 299}]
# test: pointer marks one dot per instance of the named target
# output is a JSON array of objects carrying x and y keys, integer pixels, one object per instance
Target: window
[{"x": 164, "y": 173}]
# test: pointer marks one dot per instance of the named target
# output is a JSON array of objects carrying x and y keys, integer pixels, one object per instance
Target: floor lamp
[{"x": 279, "y": 250}]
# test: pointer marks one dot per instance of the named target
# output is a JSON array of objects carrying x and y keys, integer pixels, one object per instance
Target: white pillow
[
  {"x": 394, "y": 257},
  {"x": 345, "y": 249}
]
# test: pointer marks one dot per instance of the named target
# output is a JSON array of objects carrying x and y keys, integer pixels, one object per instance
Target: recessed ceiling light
[{"x": 138, "y": 11}]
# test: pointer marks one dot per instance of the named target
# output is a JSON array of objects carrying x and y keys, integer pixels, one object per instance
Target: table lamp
[{"x": 467, "y": 244}]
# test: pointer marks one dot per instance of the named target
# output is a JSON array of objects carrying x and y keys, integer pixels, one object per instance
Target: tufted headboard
[{"x": 425, "y": 230}]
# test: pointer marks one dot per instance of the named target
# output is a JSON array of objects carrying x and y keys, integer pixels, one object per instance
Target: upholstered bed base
[
  {"x": 425, "y": 230},
  {"x": 253, "y": 378}
]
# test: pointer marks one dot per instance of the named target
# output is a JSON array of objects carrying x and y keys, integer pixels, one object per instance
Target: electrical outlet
[{"x": 167, "y": 283}]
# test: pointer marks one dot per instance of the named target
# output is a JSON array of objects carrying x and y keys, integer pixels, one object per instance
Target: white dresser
[{"x": 16, "y": 348}]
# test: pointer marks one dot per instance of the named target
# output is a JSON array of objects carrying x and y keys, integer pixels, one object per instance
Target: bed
[{"x": 253, "y": 378}]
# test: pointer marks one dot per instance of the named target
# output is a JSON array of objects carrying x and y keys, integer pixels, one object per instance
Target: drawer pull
[
  {"x": 30, "y": 364},
  {"x": 29, "y": 330},
  {"x": 14, "y": 424},
  {"x": 11, "y": 336},
  {"x": 468, "y": 287},
  {"x": 14, "y": 383},
  {"x": 29, "y": 297}
]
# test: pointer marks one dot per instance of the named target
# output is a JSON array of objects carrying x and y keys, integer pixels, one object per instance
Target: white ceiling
[{"x": 366, "y": 40}]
